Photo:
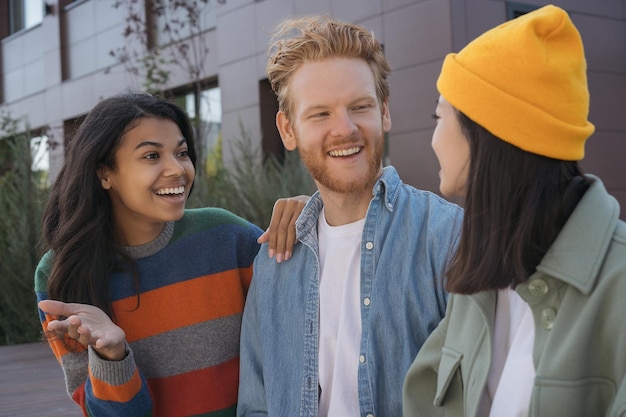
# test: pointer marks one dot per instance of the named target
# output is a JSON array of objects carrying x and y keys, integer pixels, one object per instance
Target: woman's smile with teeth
[
  {"x": 171, "y": 190},
  {"x": 345, "y": 152}
]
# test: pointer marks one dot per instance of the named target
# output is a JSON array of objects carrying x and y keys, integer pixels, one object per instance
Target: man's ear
[
  {"x": 286, "y": 131},
  {"x": 386, "y": 116},
  {"x": 103, "y": 175}
]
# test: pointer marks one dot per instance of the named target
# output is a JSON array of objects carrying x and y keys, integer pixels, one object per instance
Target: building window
[
  {"x": 39, "y": 153},
  {"x": 514, "y": 9},
  {"x": 24, "y": 14},
  {"x": 270, "y": 138},
  {"x": 206, "y": 118}
]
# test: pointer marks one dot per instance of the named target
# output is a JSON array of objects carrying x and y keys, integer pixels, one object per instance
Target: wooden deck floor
[{"x": 31, "y": 383}]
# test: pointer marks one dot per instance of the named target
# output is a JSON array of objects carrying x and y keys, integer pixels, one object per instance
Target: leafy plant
[
  {"x": 22, "y": 197},
  {"x": 250, "y": 185}
]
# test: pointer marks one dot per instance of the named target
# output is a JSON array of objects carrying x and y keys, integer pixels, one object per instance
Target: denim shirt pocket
[{"x": 448, "y": 371}]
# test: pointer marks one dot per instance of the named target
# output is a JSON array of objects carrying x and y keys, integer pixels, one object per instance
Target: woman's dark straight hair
[
  {"x": 516, "y": 204},
  {"x": 77, "y": 223}
]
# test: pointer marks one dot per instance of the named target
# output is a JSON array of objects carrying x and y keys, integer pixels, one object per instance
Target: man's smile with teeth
[
  {"x": 171, "y": 190},
  {"x": 345, "y": 152}
]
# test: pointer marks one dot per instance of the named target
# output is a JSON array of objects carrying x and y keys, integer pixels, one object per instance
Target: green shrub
[
  {"x": 22, "y": 197},
  {"x": 250, "y": 186}
]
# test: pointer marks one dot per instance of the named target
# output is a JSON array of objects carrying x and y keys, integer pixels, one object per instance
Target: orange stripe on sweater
[
  {"x": 182, "y": 304},
  {"x": 246, "y": 278},
  {"x": 179, "y": 395},
  {"x": 61, "y": 345},
  {"x": 119, "y": 393}
]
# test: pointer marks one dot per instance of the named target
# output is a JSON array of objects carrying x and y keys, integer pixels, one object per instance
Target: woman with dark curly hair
[{"x": 142, "y": 299}]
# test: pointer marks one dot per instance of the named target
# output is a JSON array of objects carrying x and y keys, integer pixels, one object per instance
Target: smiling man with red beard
[{"x": 333, "y": 330}]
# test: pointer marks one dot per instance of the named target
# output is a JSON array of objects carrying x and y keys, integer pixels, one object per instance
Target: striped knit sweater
[{"x": 183, "y": 335}]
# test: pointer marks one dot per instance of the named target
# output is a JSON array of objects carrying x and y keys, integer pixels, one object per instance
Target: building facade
[{"x": 56, "y": 63}]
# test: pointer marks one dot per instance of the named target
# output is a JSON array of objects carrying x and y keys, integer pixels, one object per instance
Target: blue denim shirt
[{"x": 408, "y": 238}]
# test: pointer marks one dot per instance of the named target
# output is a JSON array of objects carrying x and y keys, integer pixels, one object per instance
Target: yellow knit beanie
[{"x": 525, "y": 82}]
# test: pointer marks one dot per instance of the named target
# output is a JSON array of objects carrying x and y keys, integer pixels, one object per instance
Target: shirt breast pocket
[{"x": 449, "y": 381}]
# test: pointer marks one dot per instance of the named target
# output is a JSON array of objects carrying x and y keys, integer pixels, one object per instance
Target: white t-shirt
[
  {"x": 512, "y": 373},
  {"x": 340, "y": 317}
]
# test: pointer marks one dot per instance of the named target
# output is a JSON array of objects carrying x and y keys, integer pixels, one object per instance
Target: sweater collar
[{"x": 150, "y": 248}]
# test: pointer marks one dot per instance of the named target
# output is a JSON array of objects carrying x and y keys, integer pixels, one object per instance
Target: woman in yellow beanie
[{"x": 536, "y": 323}]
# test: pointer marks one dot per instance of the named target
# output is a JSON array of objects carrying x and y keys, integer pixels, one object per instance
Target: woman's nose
[{"x": 174, "y": 168}]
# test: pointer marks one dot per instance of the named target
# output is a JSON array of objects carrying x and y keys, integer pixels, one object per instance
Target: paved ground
[{"x": 31, "y": 383}]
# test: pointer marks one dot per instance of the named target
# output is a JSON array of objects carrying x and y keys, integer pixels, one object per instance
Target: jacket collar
[
  {"x": 578, "y": 252},
  {"x": 486, "y": 302}
]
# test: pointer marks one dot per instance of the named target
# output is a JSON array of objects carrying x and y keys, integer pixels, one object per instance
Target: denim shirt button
[
  {"x": 369, "y": 245},
  {"x": 370, "y": 415},
  {"x": 362, "y": 358},
  {"x": 366, "y": 301}
]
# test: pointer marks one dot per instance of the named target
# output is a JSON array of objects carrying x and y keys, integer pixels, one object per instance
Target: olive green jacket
[{"x": 578, "y": 299}]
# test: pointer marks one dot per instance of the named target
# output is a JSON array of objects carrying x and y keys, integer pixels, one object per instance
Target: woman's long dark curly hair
[{"x": 77, "y": 223}]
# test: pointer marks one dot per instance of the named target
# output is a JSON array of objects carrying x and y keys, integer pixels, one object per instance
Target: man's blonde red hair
[{"x": 315, "y": 38}]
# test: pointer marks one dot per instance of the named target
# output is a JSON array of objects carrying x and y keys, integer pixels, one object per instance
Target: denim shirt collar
[
  {"x": 388, "y": 183},
  {"x": 407, "y": 240}
]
